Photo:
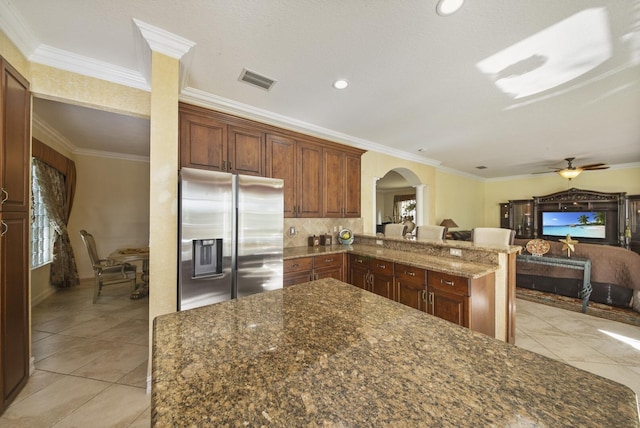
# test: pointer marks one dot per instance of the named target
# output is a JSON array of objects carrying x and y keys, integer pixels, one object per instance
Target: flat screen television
[{"x": 578, "y": 224}]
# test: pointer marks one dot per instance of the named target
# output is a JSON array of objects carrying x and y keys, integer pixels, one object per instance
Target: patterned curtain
[{"x": 54, "y": 195}]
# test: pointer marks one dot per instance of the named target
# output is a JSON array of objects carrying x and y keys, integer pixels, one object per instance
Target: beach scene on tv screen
[{"x": 576, "y": 224}]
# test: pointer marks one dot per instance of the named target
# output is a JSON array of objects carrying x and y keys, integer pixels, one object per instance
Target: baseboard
[{"x": 49, "y": 291}]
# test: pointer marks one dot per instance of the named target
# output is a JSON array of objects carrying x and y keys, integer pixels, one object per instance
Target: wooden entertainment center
[{"x": 619, "y": 212}]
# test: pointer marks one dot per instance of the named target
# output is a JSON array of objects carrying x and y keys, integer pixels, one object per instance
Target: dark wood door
[
  {"x": 334, "y": 185},
  {"x": 381, "y": 280},
  {"x": 448, "y": 306},
  {"x": 358, "y": 271},
  {"x": 15, "y": 110},
  {"x": 203, "y": 142},
  {"x": 246, "y": 151},
  {"x": 353, "y": 186},
  {"x": 410, "y": 286},
  {"x": 309, "y": 180},
  {"x": 14, "y": 317},
  {"x": 281, "y": 163}
]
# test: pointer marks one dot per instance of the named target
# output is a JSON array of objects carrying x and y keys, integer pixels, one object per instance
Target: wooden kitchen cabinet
[
  {"x": 208, "y": 143},
  {"x": 341, "y": 190},
  {"x": 281, "y": 163},
  {"x": 466, "y": 302},
  {"x": 308, "y": 180},
  {"x": 358, "y": 267},
  {"x": 321, "y": 178},
  {"x": 297, "y": 271},
  {"x": 246, "y": 151},
  {"x": 329, "y": 266},
  {"x": 410, "y": 286},
  {"x": 305, "y": 269},
  {"x": 299, "y": 165},
  {"x": 381, "y": 278},
  {"x": 203, "y": 142},
  {"x": 15, "y": 113}
]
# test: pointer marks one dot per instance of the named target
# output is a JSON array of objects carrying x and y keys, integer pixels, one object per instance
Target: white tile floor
[{"x": 91, "y": 360}]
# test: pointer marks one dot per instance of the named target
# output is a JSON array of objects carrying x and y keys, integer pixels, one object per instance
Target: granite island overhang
[{"x": 328, "y": 353}]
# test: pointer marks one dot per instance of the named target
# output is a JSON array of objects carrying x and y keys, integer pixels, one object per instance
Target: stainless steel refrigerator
[{"x": 231, "y": 236}]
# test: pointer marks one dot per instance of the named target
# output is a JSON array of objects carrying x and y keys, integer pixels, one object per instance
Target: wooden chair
[{"x": 107, "y": 273}]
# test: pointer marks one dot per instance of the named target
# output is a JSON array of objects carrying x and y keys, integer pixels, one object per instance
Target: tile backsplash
[{"x": 306, "y": 227}]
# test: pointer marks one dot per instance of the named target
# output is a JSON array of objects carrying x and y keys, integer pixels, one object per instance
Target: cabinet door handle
[
  {"x": 424, "y": 295},
  {"x": 445, "y": 282},
  {"x": 295, "y": 265},
  {"x": 431, "y": 298},
  {"x": 224, "y": 165},
  {"x": 230, "y": 167},
  {"x": 409, "y": 273},
  {"x": 6, "y": 228},
  {"x": 5, "y": 196},
  {"x": 381, "y": 266},
  {"x": 359, "y": 261},
  {"x": 328, "y": 260}
]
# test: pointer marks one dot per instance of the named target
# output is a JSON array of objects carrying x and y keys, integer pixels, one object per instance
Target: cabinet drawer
[
  {"x": 356, "y": 260},
  {"x": 298, "y": 265},
  {"x": 410, "y": 273},
  {"x": 325, "y": 261},
  {"x": 381, "y": 267},
  {"x": 450, "y": 283}
]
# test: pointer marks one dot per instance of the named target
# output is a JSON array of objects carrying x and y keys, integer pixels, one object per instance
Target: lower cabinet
[
  {"x": 381, "y": 278},
  {"x": 14, "y": 304},
  {"x": 463, "y": 301},
  {"x": 411, "y": 286},
  {"x": 466, "y": 302},
  {"x": 305, "y": 269}
]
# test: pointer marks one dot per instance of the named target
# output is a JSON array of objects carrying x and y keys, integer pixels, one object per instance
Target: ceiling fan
[{"x": 573, "y": 171}]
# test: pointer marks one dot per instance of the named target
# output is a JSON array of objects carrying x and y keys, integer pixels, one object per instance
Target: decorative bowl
[
  {"x": 538, "y": 247},
  {"x": 345, "y": 237}
]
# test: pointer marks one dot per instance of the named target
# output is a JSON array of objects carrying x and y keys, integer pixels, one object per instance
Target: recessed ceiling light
[
  {"x": 422, "y": 150},
  {"x": 447, "y": 7},
  {"x": 340, "y": 83}
]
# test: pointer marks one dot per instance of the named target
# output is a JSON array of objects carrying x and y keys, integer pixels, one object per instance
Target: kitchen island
[{"x": 328, "y": 353}]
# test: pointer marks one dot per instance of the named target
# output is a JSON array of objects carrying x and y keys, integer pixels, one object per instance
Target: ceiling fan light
[{"x": 570, "y": 173}]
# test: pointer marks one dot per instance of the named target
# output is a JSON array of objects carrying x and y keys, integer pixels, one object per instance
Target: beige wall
[
  {"x": 111, "y": 203},
  {"x": 460, "y": 199},
  {"x": 10, "y": 52},
  {"x": 377, "y": 165}
]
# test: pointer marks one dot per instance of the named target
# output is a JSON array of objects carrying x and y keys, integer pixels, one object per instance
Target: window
[{"x": 42, "y": 232}]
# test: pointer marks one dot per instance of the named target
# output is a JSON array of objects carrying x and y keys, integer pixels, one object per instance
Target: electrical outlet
[
  {"x": 455, "y": 252},
  {"x": 335, "y": 228},
  {"x": 292, "y": 231}
]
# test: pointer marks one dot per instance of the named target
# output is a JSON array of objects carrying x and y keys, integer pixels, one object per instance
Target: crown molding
[
  {"x": 204, "y": 99},
  {"x": 111, "y": 155},
  {"x": 65, "y": 60},
  {"x": 52, "y": 134},
  {"x": 460, "y": 173},
  {"x": 17, "y": 29},
  {"x": 162, "y": 41},
  {"x": 158, "y": 40}
]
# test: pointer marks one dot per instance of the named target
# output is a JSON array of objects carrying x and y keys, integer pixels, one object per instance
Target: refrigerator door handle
[{"x": 215, "y": 275}]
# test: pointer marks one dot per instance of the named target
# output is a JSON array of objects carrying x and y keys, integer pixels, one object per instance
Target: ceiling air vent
[{"x": 256, "y": 79}]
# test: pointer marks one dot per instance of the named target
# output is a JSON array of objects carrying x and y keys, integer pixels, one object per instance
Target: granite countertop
[
  {"x": 328, "y": 353},
  {"x": 465, "y": 269}
]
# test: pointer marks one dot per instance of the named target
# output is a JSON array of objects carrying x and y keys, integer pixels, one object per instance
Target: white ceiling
[{"x": 513, "y": 85}]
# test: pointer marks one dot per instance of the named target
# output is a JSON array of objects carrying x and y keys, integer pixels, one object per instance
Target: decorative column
[
  {"x": 163, "y": 50},
  {"x": 420, "y": 220},
  {"x": 374, "y": 218}
]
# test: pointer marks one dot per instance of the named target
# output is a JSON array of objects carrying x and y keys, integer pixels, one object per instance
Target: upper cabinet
[
  {"x": 202, "y": 142},
  {"x": 321, "y": 178},
  {"x": 15, "y": 111},
  {"x": 246, "y": 151}
]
